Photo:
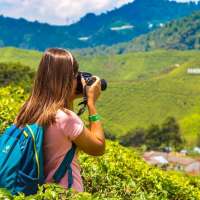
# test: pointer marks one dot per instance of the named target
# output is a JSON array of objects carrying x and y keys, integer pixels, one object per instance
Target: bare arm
[{"x": 92, "y": 139}]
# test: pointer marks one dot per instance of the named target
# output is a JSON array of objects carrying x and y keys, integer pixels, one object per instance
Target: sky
[{"x": 62, "y": 13}]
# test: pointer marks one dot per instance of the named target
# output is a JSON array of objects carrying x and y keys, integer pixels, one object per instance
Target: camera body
[{"x": 89, "y": 81}]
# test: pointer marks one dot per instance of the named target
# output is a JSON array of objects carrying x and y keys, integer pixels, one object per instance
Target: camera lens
[
  {"x": 103, "y": 84},
  {"x": 90, "y": 81},
  {"x": 88, "y": 78}
]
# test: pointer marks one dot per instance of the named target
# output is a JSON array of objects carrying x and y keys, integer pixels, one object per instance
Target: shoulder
[
  {"x": 68, "y": 117},
  {"x": 69, "y": 122},
  {"x": 63, "y": 113}
]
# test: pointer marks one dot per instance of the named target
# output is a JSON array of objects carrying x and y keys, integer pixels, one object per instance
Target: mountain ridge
[
  {"x": 181, "y": 34},
  {"x": 119, "y": 25}
]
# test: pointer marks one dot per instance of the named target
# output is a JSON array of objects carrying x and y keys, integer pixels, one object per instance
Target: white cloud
[
  {"x": 59, "y": 11},
  {"x": 54, "y": 11}
]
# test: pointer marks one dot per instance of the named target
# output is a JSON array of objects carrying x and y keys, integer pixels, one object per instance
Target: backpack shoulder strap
[{"x": 66, "y": 166}]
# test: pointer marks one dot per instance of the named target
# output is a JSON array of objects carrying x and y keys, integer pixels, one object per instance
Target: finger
[
  {"x": 99, "y": 84},
  {"x": 96, "y": 77},
  {"x": 97, "y": 81},
  {"x": 83, "y": 81}
]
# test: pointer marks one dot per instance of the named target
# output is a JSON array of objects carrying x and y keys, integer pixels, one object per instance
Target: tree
[
  {"x": 198, "y": 140},
  {"x": 134, "y": 138},
  {"x": 153, "y": 137},
  {"x": 170, "y": 133}
]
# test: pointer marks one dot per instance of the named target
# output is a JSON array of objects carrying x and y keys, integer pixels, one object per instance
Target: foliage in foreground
[{"x": 121, "y": 174}]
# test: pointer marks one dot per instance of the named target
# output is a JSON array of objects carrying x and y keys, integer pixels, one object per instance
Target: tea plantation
[
  {"x": 119, "y": 174},
  {"x": 144, "y": 88}
]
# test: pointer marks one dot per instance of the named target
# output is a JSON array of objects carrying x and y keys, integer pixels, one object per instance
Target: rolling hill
[
  {"x": 144, "y": 88},
  {"x": 119, "y": 25}
]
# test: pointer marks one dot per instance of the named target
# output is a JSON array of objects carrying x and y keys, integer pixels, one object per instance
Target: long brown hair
[{"x": 51, "y": 90}]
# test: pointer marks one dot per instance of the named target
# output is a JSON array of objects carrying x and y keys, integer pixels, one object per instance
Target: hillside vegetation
[
  {"x": 182, "y": 34},
  {"x": 143, "y": 88},
  {"x": 118, "y": 174}
]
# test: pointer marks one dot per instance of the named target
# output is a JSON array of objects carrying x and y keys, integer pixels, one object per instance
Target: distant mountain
[
  {"x": 181, "y": 34},
  {"x": 119, "y": 25}
]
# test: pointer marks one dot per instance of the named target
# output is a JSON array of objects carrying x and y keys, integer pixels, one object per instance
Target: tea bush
[
  {"x": 17, "y": 74},
  {"x": 11, "y": 99},
  {"x": 121, "y": 174}
]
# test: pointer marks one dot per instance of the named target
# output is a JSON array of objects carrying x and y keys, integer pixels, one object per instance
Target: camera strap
[{"x": 84, "y": 102}]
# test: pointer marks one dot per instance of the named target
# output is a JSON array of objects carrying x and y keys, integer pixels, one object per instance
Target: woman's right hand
[
  {"x": 92, "y": 139},
  {"x": 93, "y": 92}
]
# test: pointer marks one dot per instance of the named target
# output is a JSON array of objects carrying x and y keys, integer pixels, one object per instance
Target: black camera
[{"x": 89, "y": 81}]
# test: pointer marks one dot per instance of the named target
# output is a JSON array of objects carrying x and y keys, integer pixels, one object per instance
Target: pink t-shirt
[{"x": 57, "y": 142}]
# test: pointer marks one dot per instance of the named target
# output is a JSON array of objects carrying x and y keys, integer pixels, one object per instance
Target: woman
[{"x": 50, "y": 104}]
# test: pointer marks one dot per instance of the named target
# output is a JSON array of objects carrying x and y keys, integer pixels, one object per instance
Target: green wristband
[{"x": 94, "y": 118}]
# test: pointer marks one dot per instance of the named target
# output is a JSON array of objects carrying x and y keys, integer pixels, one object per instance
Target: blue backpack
[{"x": 21, "y": 160}]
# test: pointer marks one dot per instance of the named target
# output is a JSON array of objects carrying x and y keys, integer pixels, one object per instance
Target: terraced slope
[{"x": 144, "y": 88}]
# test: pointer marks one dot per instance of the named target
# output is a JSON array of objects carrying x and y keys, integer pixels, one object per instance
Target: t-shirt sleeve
[{"x": 71, "y": 125}]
